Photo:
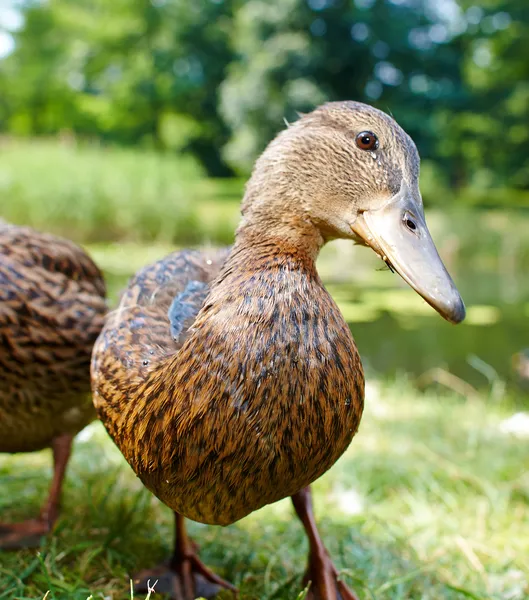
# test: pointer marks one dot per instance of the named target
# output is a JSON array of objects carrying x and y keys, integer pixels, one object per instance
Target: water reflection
[{"x": 397, "y": 332}]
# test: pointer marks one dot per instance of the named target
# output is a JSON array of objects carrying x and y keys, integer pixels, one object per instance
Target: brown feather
[
  {"x": 278, "y": 403},
  {"x": 52, "y": 308}
]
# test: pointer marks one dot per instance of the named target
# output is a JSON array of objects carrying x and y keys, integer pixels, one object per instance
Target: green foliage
[
  {"x": 496, "y": 68},
  {"x": 271, "y": 77},
  {"x": 216, "y": 78},
  {"x": 118, "y": 70}
]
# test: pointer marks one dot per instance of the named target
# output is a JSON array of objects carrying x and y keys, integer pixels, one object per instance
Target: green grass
[
  {"x": 431, "y": 501},
  {"x": 94, "y": 193}
]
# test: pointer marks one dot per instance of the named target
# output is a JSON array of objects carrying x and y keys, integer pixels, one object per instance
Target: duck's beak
[{"x": 397, "y": 232}]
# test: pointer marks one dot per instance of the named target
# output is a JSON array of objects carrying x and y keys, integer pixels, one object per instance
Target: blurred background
[{"x": 130, "y": 127}]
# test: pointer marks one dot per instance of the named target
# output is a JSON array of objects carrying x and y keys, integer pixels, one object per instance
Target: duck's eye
[{"x": 367, "y": 140}]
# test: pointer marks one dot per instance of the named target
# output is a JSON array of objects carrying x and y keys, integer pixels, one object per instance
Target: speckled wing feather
[
  {"x": 52, "y": 308},
  {"x": 172, "y": 291},
  {"x": 151, "y": 322},
  {"x": 184, "y": 308}
]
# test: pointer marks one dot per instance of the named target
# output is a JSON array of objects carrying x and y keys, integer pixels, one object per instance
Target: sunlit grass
[
  {"x": 96, "y": 193},
  {"x": 430, "y": 501}
]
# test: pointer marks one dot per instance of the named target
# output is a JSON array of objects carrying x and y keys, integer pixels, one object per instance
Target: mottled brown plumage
[
  {"x": 204, "y": 443},
  {"x": 230, "y": 380},
  {"x": 52, "y": 307}
]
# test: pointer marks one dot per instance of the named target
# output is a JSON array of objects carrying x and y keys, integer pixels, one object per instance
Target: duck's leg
[
  {"x": 184, "y": 576},
  {"x": 28, "y": 534},
  {"x": 321, "y": 572}
]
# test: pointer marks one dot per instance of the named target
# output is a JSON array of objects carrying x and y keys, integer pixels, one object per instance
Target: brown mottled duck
[
  {"x": 229, "y": 379},
  {"x": 52, "y": 307}
]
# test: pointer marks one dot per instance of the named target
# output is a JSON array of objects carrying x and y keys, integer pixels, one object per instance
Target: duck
[
  {"x": 52, "y": 308},
  {"x": 229, "y": 379}
]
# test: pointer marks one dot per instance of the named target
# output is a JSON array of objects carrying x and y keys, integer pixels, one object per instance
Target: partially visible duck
[
  {"x": 229, "y": 379},
  {"x": 52, "y": 308}
]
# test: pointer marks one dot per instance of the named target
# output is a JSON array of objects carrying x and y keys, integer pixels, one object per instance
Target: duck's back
[{"x": 52, "y": 308}]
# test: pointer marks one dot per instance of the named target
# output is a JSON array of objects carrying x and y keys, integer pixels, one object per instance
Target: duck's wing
[
  {"x": 171, "y": 292},
  {"x": 52, "y": 308},
  {"x": 184, "y": 308},
  {"x": 151, "y": 322}
]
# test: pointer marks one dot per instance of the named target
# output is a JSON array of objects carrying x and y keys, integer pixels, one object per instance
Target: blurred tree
[
  {"x": 217, "y": 77},
  {"x": 271, "y": 77},
  {"x": 35, "y": 93},
  {"x": 294, "y": 54},
  {"x": 125, "y": 71},
  {"x": 491, "y": 132}
]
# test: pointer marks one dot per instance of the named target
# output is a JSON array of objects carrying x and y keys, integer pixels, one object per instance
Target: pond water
[{"x": 395, "y": 330}]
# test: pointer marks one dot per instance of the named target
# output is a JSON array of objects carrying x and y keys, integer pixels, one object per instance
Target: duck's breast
[{"x": 264, "y": 396}]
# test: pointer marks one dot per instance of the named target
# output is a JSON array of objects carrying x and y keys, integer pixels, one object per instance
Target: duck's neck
[
  {"x": 270, "y": 278},
  {"x": 266, "y": 241}
]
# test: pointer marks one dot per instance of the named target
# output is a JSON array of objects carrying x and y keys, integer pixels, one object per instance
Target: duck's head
[{"x": 351, "y": 172}]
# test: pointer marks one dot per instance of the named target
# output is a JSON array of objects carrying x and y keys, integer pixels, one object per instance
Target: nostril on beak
[{"x": 409, "y": 222}]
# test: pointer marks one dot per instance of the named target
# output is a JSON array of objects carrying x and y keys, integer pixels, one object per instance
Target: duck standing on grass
[
  {"x": 52, "y": 308},
  {"x": 230, "y": 380}
]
